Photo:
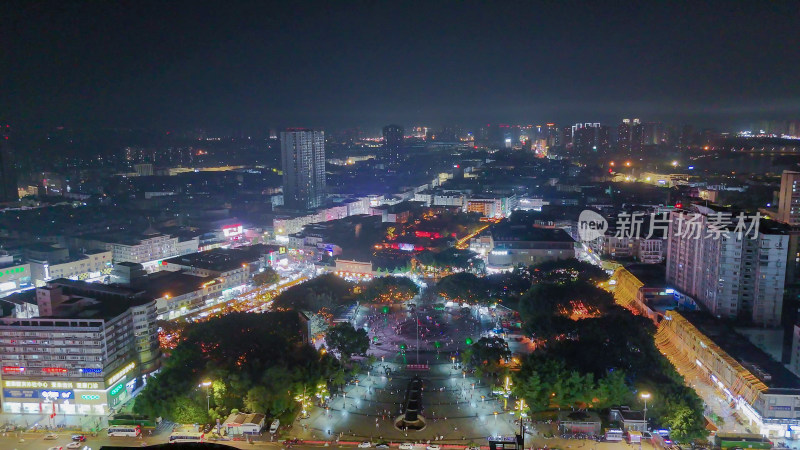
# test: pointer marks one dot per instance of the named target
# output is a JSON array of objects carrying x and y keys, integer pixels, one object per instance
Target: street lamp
[
  {"x": 506, "y": 392},
  {"x": 521, "y": 408},
  {"x": 645, "y": 396},
  {"x": 303, "y": 399},
  {"x": 207, "y": 385},
  {"x": 322, "y": 393}
]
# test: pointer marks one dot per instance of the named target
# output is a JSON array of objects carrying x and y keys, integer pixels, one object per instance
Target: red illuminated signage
[
  {"x": 13, "y": 369},
  {"x": 232, "y": 231}
]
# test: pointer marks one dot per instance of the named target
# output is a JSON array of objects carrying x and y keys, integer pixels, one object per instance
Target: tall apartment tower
[
  {"x": 393, "y": 141},
  {"x": 624, "y": 136},
  {"x": 732, "y": 277},
  {"x": 303, "y": 162},
  {"x": 636, "y": 136},
  {"x": 8, "y": 174},
  {"x": 789, "y": 198}
]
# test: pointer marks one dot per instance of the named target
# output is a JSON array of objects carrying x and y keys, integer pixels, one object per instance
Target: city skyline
[{"x": 461, "y": 225}]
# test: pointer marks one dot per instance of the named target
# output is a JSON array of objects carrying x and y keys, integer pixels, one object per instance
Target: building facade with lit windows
[
  {"x": 13, "y": 275},
  {"x": 93, "y": 265},
  {"x": 357, "y": 270},
  {"x": 303, "y": 163},
  {"x": 86, "y": 353},
  {"x": 789, "y": 198},
  {"x": 148, "y": 248},
  {"x": 393, "y": 136},
  {"x": 526, "y": 245},
  {"x": 730, "y": 276},
  {"x": 231, "y": 267},
  {"x": 179, "y": 293},
  {"x": 766, "y": 394},
  {"x": 491, "y": 206}
]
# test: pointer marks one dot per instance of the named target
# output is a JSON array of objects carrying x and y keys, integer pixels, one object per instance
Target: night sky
[{"x": 342, "y": 63}]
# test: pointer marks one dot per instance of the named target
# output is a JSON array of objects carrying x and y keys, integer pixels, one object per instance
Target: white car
[
  {"x": 433, "y": 447},
  {"x": 51, "y": 437},
  {"x": 365, "y": 444},
  {"x": 274, "y": 427},
  {"x": 75, "y": 445},
  {"x": 406, "y": 446}
]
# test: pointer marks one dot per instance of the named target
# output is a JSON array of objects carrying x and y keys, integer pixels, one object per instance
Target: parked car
[
  {"x": 365, "y": 444},
  {"x": 51, "y": 437},
  {"x": 382, "y": 445},
  {"x": 406, "y": 446},
  {"x": 78, "y": 437},
  {"x": 433, "y": 447},
  {"x": 75, "y": 444}
]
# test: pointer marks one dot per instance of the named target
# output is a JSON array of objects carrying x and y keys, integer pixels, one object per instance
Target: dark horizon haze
[{"x": 254, "y": 65}]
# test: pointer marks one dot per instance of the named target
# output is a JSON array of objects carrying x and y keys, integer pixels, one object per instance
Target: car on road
[
  {"x": 406, "y": 446},
  {"x": 74, "y": 445},
  {"x": 382, "y": 445},
  {"x": 51, "y": 437},
  {"x": 365, "y": 444},
  {"x": 433, "y": 447},
  {"x": 78, "y": 437}
]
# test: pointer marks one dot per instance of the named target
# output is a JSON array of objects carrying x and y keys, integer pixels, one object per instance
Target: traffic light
[{"x": 468, "y": 341}]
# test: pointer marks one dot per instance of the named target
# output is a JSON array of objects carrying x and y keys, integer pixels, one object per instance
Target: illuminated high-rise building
[
  {"x": 590, "y": 137},
  {"x": 303, "y": 162},
  {"x": 732, "y": 275},
  {"x": 624, "y": 136},
  {"x": 8, "y": 174},
  {"x": 393, "y": 141},
  {"x": 636, "y": 136},
  {"x": 789, "y": 198}
]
